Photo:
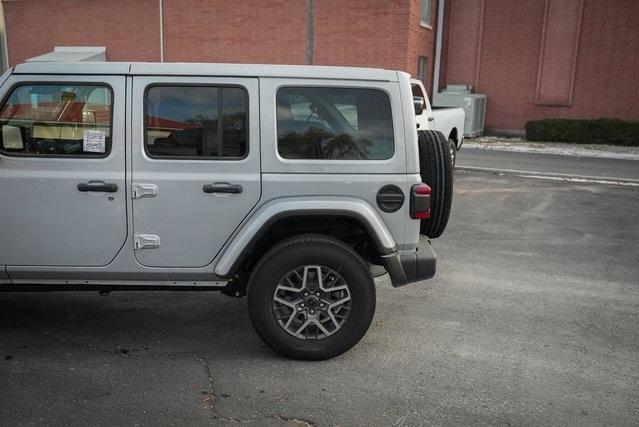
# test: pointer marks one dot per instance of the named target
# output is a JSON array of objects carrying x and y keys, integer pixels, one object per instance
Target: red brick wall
[
  {"x": 272, "y": 31},
  {"x": 368, "y": 33},
  {"x": 128, "y": 29},
  {"x": 464, "y": 39},
  {"x": 606, "y": 77},
  {"x": 373, "y": 33},
  {"x": 508, "y": 59}
]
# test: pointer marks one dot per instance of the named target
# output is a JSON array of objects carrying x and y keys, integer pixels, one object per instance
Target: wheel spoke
[
  {"x": 292, "y": 285},
  {"x": 287, "y": 288},
  {"x": 290, "y": 319},
  {"x": 283, "y": 301},
  {"x": 336, "y": 288},
  {"x": 332, "y": 317},
  {"x": 304, "y": 325},
  {"x": 321, "y": 327},
  {"x": 338, "y": 302}
]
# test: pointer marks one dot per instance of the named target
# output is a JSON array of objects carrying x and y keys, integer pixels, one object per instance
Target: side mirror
[
  {"x": 12, "y": 138},
  {"x": 419, "y": 103}
]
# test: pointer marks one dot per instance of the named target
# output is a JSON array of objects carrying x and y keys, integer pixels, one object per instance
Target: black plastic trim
[
  {"x": 104, "y": 288},
  {"x": 226, "y": 189},
  {"x": 208, "y": 85},
  {"x": 407, "y": 267},
  {"x": 103, "y": 188},
  {"x": 390, "y": 198}
]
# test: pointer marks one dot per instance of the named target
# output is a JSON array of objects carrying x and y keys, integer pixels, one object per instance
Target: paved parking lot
[{"x": 532, "y": 318}]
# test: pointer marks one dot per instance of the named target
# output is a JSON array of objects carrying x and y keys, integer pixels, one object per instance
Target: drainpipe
[
  {"x": 310, "y": 35},
  {"x": 438, "y": 46},
  {"x": 161, "y": 31},
  {"x": 4, "y": 48}
]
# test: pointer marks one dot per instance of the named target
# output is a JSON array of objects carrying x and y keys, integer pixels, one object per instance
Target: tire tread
[{"x": 436, "y": 171}]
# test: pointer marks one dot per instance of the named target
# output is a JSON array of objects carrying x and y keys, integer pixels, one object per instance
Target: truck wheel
[
  {"x": 311, "y": 297},
  {"x": 453, "y": 152},
  {"x": 436, "y": 170}
]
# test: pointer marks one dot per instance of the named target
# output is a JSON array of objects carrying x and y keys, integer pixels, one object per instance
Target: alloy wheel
[{"x": 311, "y": 302}]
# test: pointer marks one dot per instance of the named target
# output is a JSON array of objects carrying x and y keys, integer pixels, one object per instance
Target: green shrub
[{"x": 597, "y": 131}]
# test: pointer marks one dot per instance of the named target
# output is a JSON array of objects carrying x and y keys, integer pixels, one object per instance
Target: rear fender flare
[{"x": 258, "y": 223}]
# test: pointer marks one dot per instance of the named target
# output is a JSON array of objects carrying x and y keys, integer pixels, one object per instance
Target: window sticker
[{"x": 93, "y": 141}]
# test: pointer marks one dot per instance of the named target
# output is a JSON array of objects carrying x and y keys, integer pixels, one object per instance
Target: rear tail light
[{"x": 420, "y": 201}]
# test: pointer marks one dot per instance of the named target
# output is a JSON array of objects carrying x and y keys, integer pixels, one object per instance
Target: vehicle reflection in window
[
  {"x": 196, "y": 121},
  {"x": 334, "y": 123},
  {"x": 52, "y": 119}
]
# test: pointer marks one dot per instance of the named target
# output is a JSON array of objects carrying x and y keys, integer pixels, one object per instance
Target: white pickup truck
[{"x": 449, "y": 121}]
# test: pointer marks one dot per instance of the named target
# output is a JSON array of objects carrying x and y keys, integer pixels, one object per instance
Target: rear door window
[
  {"x": 196, "y": 122},
  {"x": 62, "y": 119},
  {"x": 334, "y": 123}
]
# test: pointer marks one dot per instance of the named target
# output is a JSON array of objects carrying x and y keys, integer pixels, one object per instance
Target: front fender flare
[{"x": 258, "y": 223}]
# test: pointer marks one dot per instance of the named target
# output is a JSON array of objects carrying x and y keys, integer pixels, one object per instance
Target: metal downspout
[
  {"x": 161, "y": 31},
  {"x": 438, "y": 47}
]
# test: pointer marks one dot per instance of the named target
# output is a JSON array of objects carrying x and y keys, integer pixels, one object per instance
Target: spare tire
[{"x": 436, "y": 170}]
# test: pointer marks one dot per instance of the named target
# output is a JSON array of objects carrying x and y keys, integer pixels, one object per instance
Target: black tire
[
  {"x": 310, "y": 250},
  {"x": 436, "y": 170}
]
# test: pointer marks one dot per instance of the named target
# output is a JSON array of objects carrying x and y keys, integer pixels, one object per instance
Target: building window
[
  {"x": 194, "y": 122},
  {"x": 425, "y": 16},
  {"x": 334, "y": 123},
  {"x": 422, "y": 66}
]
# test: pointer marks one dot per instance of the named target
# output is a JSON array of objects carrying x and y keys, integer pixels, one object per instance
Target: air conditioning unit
[{"x": 474, "y": 105}]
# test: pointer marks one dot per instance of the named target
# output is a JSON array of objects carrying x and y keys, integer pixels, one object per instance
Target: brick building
[{"x": 533, "y": 58}]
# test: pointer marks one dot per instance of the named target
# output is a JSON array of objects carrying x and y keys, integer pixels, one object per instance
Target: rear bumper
[{"x": 406, "y": 267}]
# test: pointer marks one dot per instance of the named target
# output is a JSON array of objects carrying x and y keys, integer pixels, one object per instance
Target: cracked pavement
[{"x": 533, "y": 317}]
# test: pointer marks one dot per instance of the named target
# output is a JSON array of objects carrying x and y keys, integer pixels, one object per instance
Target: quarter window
[
  {"x": 196, "y": 122},
  {"x": 334, "y": 123},
  {"x": 57, "y": 120}
]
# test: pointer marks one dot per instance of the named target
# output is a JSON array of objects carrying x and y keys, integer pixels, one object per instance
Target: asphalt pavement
[{"x": 533, "y": 318}]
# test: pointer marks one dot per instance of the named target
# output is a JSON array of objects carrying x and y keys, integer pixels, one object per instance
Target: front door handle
[
  {"x": 100, "y": 186},
  {"x": 222, "y": 187}
]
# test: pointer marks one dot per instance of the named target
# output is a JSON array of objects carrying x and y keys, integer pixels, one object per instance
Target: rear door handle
[
  {"x": 222, "y": 187},
  {"x": 100, "y": 186}
]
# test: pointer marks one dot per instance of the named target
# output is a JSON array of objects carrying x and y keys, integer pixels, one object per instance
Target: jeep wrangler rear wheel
[
  {"x": 311, "y": 297},
  {"x": 436, "y": 170}
]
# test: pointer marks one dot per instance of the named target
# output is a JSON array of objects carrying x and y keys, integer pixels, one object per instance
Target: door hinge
[
  {"x": 143, "y": 190},
  {"x": 146, "y": 241}
]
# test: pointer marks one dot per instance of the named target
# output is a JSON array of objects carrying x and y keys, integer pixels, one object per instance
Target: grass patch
[{"x": 597, "y": 131}]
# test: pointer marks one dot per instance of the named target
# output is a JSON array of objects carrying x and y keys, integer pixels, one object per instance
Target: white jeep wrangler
[{"x": 286, "y": 183}]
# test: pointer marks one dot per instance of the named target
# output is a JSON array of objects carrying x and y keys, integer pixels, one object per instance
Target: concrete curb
[
  {"x": 626, "y": 182},
  {"x": 560, "y": 149}
]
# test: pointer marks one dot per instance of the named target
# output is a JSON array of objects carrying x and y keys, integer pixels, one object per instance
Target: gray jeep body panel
[{"x": 274, "y": 185}]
